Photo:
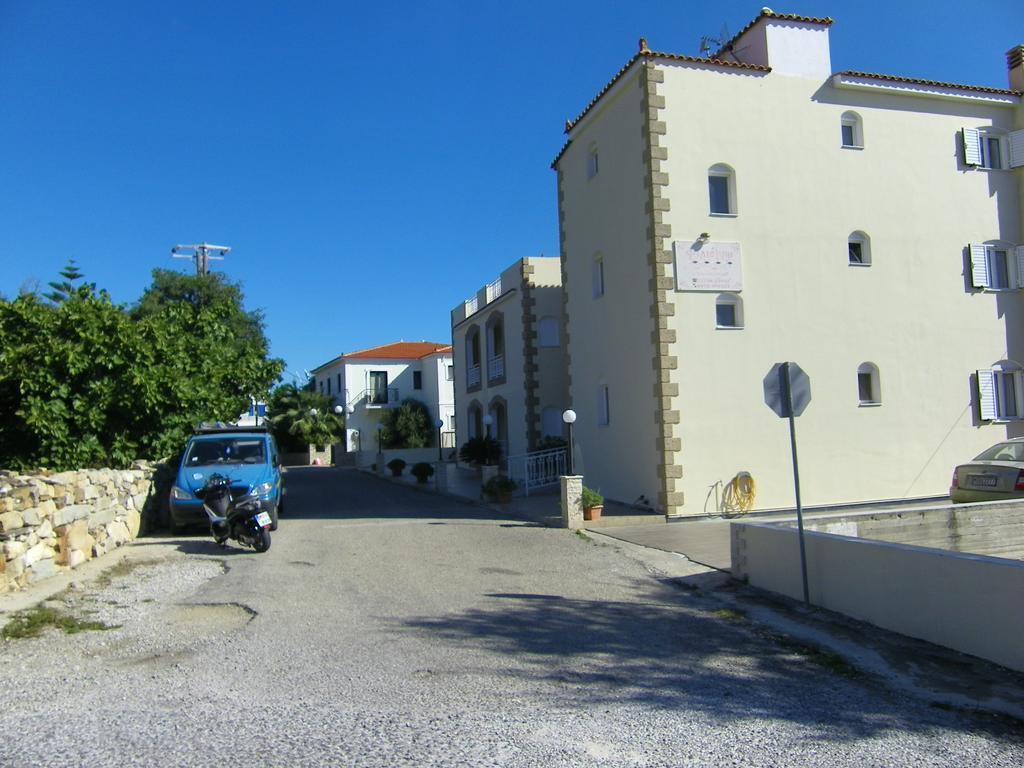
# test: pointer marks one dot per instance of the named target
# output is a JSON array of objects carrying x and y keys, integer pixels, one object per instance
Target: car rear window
[
  {"x": 1003, "y": 452},
  {"x": 226, "y": 450}
]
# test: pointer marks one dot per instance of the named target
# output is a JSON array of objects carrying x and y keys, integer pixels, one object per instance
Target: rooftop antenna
[
  {"x": 707, "y": 40},
  {"x": 202, "y": 254}
]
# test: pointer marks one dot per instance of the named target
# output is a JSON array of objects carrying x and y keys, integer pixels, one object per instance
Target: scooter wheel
[{"x": 262, "y": 542}]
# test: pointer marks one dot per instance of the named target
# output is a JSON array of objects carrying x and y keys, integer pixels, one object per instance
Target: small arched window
[
  {"x": 852, "y": 128},
  {"x": 547, "y": 332},
  {"x": 858, "y": 249},
  {"x": 722, "y": 190},
  {"x": 728, "y": 311},
  {"x": 868, "y": 389}
]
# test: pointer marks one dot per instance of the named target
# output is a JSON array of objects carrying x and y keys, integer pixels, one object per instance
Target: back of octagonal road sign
[{"x": 778, "y": 389}]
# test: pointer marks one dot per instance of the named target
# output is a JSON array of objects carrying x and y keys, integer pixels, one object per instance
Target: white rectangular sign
[{"x": 708, "y": 266}]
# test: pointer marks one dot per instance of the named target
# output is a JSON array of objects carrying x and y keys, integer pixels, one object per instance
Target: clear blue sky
[{"x": 371, "y": 165}]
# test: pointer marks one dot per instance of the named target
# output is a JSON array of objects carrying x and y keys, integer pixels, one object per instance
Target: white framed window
[
  {"x": 1001, "y": 392},
  {"x": 851, "y": 130},
  {"x": 728, "y": 311},
  {"x": 721, "y": 190},
  {"x": 993, "y": 149},
  {"x": 597, "y": 277},
  {"x": 858, "y": 249},
  {"x": 997, "y": 266},
  {"x": 604, "y": 413},
  {"x": 547, "y": 332},
  {"x": 592, "y": 162},
  {"x": 869, "y": 391},
  {"x": 449, "y": 373}
]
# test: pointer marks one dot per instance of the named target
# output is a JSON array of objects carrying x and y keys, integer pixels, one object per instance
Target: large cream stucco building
[
  {"x": 720, "y": 215},
  {"x": 509, "y": 359}
]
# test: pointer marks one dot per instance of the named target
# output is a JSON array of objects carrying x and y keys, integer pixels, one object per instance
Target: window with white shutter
[
  {"x": 971, "y": 138},
  {"x": 997, "y": 266},
  {"x": 1001, "y": 392},
  {"x": 1016, "y": 146}
]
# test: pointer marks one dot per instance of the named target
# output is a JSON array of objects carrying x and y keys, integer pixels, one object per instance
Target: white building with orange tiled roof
[
  {"x": 718, "y": 215},
  {"x": 368, "y": 382}
]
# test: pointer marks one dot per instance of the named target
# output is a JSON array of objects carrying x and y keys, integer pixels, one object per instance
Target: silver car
[{"x": 996, "y": 473}]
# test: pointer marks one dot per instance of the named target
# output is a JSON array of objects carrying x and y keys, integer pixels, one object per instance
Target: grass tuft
[{"x": 34, "y": 621}]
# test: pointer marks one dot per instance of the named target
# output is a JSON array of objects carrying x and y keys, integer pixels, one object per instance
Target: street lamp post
[
  {"x": 569, "y": 417},
  {"x": 439, "y": 424}
]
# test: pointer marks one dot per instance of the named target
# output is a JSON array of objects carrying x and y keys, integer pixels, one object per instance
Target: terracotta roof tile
[
  {"x": 934, "y": 83},
  {"x": 400, "y": 350},
  {"x": 824, "y": 21}
]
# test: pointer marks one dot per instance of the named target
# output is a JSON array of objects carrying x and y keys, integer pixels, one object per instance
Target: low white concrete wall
[{"x": 971, "y": 603}]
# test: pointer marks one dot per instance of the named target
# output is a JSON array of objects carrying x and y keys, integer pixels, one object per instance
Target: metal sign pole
[{"x": 788, "y": 400}]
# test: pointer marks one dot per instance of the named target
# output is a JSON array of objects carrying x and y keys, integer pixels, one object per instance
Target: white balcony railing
[
  {"x": 496, "y": 367},
  {"x": 473, "y": 376},
  {"x": 471, "y": 306},
  {"x": 493, "y": 290},
  {"x": 537, "y": 469}
]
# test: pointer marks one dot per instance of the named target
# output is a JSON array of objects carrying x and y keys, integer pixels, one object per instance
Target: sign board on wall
[{"x": 706, "y": 266}]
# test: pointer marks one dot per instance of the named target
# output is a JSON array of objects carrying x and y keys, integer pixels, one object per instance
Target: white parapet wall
[{"x": 970, "y": 603}]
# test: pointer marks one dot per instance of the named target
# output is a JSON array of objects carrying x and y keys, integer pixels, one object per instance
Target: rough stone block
[
  {"x": 70, "y": 513},
  {"x": 134, "y": 521},
  {"x": 13, "y": 549},
  {"x": 572, "y": 501},
  {"x": 24, "y": 496},
  {"x": 139, "y": 500},
  {"x": 75, "y": 536},
  {"x": 76, "y": 557},
  {"x": 31, "y": 516},
  {"x": 102, "y": 517},
  {"x": 118, "y": 533},
  {"x": 45, "y": 530},
  {"x": 15, "y": 567},
  {"x": 42, "y": 569},
  {"x": 47, "y": 508},
  {"x": 9, "y": 521},
  {"x": 38, "y": 552}
]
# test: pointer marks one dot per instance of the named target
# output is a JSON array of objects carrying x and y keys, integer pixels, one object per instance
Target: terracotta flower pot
[{"x": 593, "y": 513}]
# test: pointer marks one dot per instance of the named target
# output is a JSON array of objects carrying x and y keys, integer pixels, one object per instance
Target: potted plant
[
  {"x": 422, "y": 472},
  {"x": 500, "y": 488},
  {"x": 396, "y": 466},
  {"x": 593, "y": 504}
]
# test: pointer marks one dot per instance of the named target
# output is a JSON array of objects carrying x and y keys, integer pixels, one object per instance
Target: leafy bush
[
  {"x": 421, "y": 471},
  {"x": 592, "y": 498},
  {"x": 396, "y": 466},
  {"x": 85, "y": 382},
  {"x": 407, "y": 426},
  {"x": 499, "y": 485},
  {"x": 550, "y": 443},
  {"x": 480, "y": 450}
]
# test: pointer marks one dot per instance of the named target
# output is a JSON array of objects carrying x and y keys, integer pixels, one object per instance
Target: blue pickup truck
[{"x": 247, "y": 456}]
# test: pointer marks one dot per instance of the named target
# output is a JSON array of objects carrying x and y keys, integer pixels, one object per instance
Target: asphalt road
[{"x": 390, "y": 627}]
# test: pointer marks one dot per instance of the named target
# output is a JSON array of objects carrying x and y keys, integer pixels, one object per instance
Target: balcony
[
  {"x": 378, "y": 397},
  {"x": 472, "y": 376},
  {"x": 496, "y": 368},
  {"x": 493, "y": 290},
  {"x": 471, "y": 306}
]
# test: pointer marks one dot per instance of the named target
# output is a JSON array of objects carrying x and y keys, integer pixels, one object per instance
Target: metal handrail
[
  {"x": 493, "y": 290},
  {"x": 472, "y": 375},
  {"x": 537, "y": 469}
]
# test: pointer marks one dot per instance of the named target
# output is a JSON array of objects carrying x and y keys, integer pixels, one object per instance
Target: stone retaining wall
[{"x": 54, "y": 522}]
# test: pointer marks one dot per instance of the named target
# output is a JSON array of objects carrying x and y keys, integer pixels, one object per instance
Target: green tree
[
  {"x": 83, "y": 382},
  {"x": 407, "y": 426},
  {"x": 64, "y": 289},
  {"x": 293, "y": 422}
]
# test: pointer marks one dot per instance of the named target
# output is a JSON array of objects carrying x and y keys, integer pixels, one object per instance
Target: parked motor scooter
[{"x": 239, "y": 519}]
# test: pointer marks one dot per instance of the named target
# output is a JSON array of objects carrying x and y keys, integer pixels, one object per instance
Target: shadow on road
[
  {"x": 326, "y": 493},
  {"x": 662, "y": 653}
]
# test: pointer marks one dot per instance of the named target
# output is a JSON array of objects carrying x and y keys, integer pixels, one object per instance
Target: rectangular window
[
  {"x": 725, "y": 315},
  {"x": 998, "y": 268},
  {"x": 417, "y": 380},
  {"x": 856, "y": 252},
  {"x": 991, "y": 152},
  {"x": 449, "y": 373},
  {"x": 339, "y": 383},
  {"x": 1006, "y": 385},
  {"x": 378, "y": 394},
  {"x": 598, "y": 277},
  {"x": 718, "y": 189},
  {"x": 864, "y": 388},
  {"x": 328, "y": 385},
  {"x": 321, "y": 386},
  {"x": 603, "y": 407},
  {"x": 592, "y": 165},
  {"x": 848, "y": 135}
]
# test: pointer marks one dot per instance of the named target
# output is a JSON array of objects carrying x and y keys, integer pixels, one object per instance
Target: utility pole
[{"x": 202, "y": 254}]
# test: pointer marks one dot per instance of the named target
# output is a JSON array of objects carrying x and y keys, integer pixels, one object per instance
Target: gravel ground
[{"x": 390, "y": 628}]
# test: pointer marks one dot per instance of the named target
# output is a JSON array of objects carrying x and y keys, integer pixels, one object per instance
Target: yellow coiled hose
[{"x": 738, "y": 496}]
